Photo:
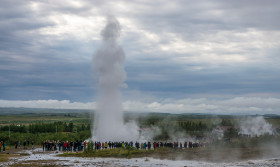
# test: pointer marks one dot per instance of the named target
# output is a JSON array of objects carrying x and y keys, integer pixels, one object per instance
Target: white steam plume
[
  {"x": 255, "y": 126},
  {"x": 108, "y": 61}
]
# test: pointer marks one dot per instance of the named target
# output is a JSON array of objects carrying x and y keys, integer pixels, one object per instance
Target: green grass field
[{"x": 35, "y": 118}]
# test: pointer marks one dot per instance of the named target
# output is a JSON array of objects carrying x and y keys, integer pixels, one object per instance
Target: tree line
[
  {"x": 192, "y": 126},
  {"x": 45, "y": 127}
]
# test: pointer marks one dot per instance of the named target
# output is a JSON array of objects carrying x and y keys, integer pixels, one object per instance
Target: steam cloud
[
  {"x": 108, "y": 61},
  {"x": 255, "y": 126}
]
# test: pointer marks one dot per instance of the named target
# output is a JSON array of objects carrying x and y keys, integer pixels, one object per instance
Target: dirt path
[{"x": 13, "y": 151}]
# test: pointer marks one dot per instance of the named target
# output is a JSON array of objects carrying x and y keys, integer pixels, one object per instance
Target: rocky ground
[{"x": 50, "y": 159}]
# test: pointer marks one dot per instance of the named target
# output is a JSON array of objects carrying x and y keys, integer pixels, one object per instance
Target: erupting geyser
[{"x": 108, "y": 61}]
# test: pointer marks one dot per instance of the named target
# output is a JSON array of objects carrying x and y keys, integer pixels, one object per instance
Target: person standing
[
  {"x": 16, "y": 144},
  {"x": 32, "y": 143},
  {"x": 82, "y": 146},
  {"x": 155, "y": 145},
  {"x": 71, "y": 146},
  {"x": 68, "y": 146},
  {"x": 4, "y": 146},
  {"x": 149, "y": 145},
  {"x": 62, "y": 145},
  {"x": 43, "y": 145},
  {"x": 59, "y": 146},
  {"x": 75, "y": 145},
  {"x": 85, "y": 145},
  {"x": 102, "y": 145},
  {"x": 110, "y": 144},
  {"x": 24, "y": 144},
  {"x": 55, "y": 148},
  {"x": 65, "y": 146},
  {"x": 144, "y": 146},
  {"x": 1, "y": 144}
]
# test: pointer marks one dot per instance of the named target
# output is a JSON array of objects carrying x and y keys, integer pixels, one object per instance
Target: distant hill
[{"x": 15, "y": 111}]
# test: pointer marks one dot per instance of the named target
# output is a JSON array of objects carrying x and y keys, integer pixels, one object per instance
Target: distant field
[
  {"x": 28, "y": 120},
  {"x": 27, "y": 116},
  {"x": 274, "y": 121}
]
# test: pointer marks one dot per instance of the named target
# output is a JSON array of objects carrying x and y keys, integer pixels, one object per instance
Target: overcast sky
[{"x": 181, "y": 56}]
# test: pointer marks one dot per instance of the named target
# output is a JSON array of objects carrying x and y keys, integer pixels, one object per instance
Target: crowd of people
[
  {"x": 70, "y": 146},
  {"x": 147, "y": 145},
  {"x": 25, "y": 144},
  {"x": 76, "y": 146},
  {"x": 63, "y": 146}
]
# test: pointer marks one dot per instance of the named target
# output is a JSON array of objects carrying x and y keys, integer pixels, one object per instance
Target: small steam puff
[
  {"x": 255, "y": 126},
  {"x": 108, "y": 61}
]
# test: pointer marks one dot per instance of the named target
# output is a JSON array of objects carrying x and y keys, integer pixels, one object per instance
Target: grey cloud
[
  {"x": 41, "y": 66},
  {"x": 169, "y": 79}
]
